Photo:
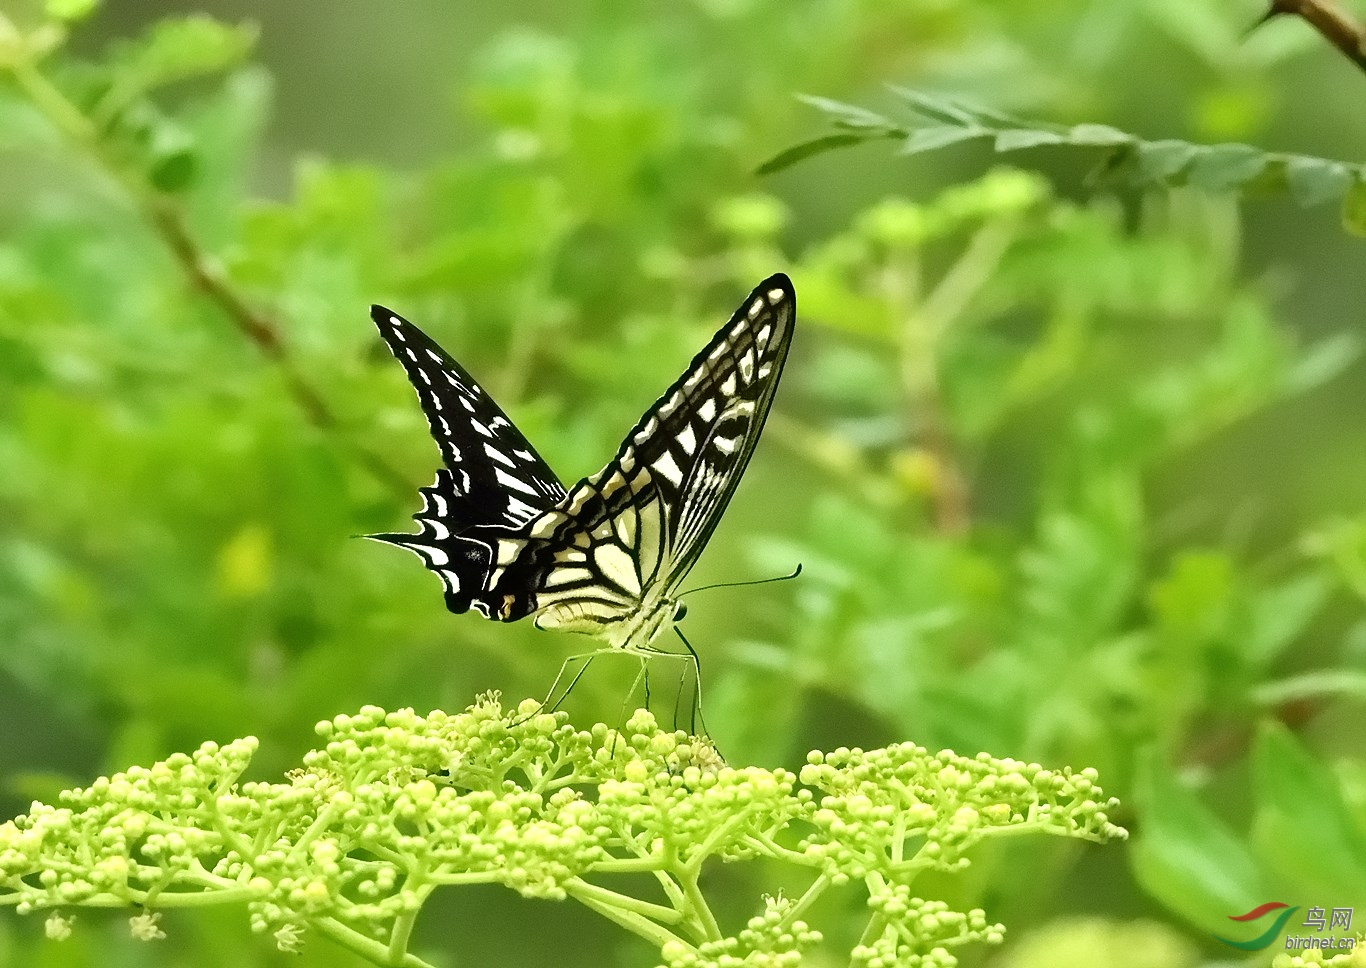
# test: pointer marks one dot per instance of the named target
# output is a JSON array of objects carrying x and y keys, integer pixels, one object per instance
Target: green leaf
[
  {"x": 70, "y": 10},
  {"x": 1017, "y": 138},
  {"x": 1323, "y": 361},
  {"x": 1187, "y": 858},
  {"x": 1302, "y": 825},
  {"x": 1279, "y": 615},
  {"x": 807, "y": 149},
  {"x": 173, "y": 162},
  {"x": 1222, "y": 167},
  {"x": 1354, "y": 208},
  {"x": 174, "y": 172},
  {"x": 1160, "y": 160},
  {"x": 939, "y": 136},
  {"x": 938, "y": 108},
  {"x": 1099, "y": 134},
  {"x": 177, "y": 49},
  {"x": 1314, "y": 180},
  {"x": 847, "y": 115}
]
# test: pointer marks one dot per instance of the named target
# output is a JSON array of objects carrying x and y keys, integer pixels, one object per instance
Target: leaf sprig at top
[
  {"x": 934, "y": 123},
  {"x": 605, "y": 558}
]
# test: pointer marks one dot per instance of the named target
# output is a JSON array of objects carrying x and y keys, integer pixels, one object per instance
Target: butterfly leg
[
  {"x": 697, "y": 715},
  {"x": 642, "y": 676},
  {"x": 546, "y": 705}
]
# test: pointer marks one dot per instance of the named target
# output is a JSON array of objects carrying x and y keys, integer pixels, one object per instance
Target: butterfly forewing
[
  {"x": 493, "y": 481},
  {"x": 677, "y": 469},
  {"x": 496, "y": 473},
  {"x": 603, "y": 557}
]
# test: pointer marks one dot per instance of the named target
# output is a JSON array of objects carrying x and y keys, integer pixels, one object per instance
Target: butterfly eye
[{"x": 680, "y": 611}]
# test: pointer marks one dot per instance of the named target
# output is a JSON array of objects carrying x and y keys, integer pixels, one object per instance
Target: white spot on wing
[
  {"x": 775, "y": 296},
  {"x": 496, "y": 454},
  {"x": 508, "y": 550},
  {"x": 617, "y": 567},
  {"x": 516, "y": 483},
  {"x": 434, "y": 557},
  {"x": 707, "y": 410},
  {"x": 669, "y": 468},
  {"x": 545, "y": 525},
  {"x": 564, "y": 576},
  {"x": 686, "y": 439}
]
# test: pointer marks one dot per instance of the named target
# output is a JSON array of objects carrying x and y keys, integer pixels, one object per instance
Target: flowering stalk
[{"x": 396, "y": 805}]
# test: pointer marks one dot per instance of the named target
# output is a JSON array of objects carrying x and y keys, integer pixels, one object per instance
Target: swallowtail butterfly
[{"x": 605, "y": 557}]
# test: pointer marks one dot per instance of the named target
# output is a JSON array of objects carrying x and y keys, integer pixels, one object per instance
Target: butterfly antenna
[{"x": 737, "y": 584}]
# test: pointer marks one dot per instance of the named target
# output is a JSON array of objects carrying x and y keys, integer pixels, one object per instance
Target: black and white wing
[
  {"x": 493, "y": 478},
  {"x": 506, "y": 539},
  {"x": 623, "y": 539}
]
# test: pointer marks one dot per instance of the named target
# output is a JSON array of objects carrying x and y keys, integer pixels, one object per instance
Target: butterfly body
[{"x": 605, "y": 557}]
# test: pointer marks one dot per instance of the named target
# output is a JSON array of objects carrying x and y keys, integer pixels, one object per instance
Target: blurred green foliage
[{"x": 1075, "y": 477}]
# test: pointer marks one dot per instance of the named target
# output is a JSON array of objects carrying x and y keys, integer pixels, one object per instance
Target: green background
[{"x": 1076, "y": 470}]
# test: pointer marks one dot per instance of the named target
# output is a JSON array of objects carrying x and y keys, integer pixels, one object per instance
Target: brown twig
[
  {"x": 1334, "y": 24},
  {"x": 203, "y": 271},
  {"x": 263, "y": 333}
]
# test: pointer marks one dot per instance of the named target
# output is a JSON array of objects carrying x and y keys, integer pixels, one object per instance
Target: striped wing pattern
[
  {"x": 493, "y": 479},
  {"x": 606, "y": 557}
]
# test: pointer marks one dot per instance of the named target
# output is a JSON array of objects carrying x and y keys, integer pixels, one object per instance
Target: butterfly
[{"x": 606, "y": 556}]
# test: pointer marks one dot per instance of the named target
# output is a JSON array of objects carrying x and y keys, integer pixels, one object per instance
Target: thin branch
[
  {"x": 941, "y": 307},
  {"x": 204, "y": 272},
  {"x": 368, "y": 948},
  {"x": 612, "y": 909},
  {"x": 1334, "y": 24}
]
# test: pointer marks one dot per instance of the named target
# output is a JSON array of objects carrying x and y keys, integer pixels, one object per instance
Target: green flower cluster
[
  {"x": 1315, "y": 958},
  {"x": 396, "y": 805}
]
